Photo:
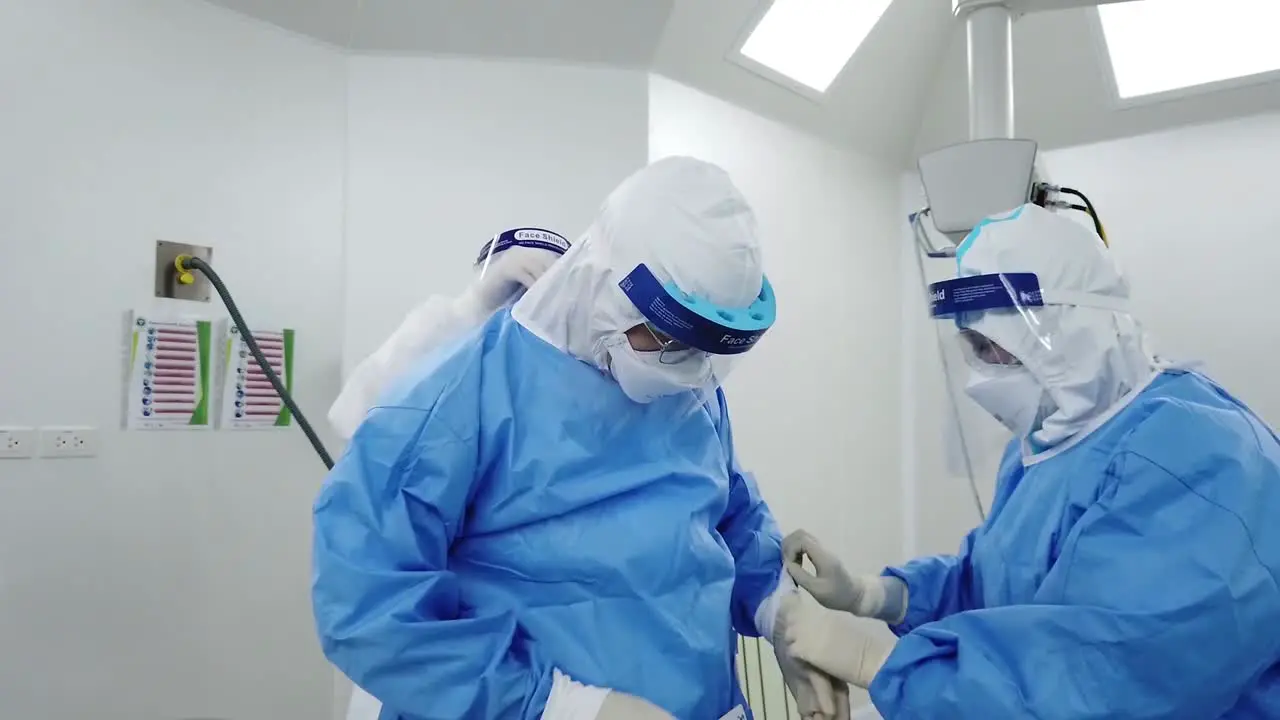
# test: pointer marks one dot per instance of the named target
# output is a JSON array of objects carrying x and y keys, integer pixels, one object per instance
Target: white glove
[
  {"x": 818, "y": 696},
  {"x": 572, "y": 700},
  {"x": 505, "y": 276},
  {"x": 872, "y": 596},
  {"x": 831, "y": 641}
]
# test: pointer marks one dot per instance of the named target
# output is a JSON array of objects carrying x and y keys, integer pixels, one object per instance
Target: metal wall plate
[{"x": 167, "y": 285}]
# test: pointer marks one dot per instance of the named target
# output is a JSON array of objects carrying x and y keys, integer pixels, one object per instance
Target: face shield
[
  {"x": 695, "y": 343},
  {"x": 1014, "y": 337},
  {"x": 996, "y": 324},
  {"x": 535, "y": 238}
]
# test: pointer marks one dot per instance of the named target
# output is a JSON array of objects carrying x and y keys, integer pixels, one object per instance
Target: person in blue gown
[
  {"x": 545, "y": 518},
  {"x": 1130, "y": 564},
  {"x": 508, "y": 265}
]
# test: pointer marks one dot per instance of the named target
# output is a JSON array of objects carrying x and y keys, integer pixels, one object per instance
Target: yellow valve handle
[{"x": 184, "y": 274}]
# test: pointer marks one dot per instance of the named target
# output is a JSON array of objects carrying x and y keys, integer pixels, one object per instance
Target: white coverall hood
[
  {"x": 681, "y": 217},
  {"x": 1083, "y": 352}
]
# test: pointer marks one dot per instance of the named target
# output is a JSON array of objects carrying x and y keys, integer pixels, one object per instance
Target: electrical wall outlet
[
  {"x": 68, "y": 442},
  {"x": 17, "y": 442}
]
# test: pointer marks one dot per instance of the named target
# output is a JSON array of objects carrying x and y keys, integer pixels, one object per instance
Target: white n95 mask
[
  {"x": 1010, "y": 393},
  {"x": 644, "y": 378}
]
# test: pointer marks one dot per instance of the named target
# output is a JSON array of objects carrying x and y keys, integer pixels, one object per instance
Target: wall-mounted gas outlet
[
  {"x": 167, "y": 285},
  {"x": 68, "y": 442},
  {"x": 17, "y": 442}
]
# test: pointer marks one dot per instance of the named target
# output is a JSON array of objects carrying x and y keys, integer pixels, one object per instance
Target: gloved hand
[
  {"x": 621, "y": 706},
  {"x": 506, "y": 274},
  {"x": 832, "y": 642},
  {"x": 818, "y": 696},
  {"x": 882, "y": 598}
]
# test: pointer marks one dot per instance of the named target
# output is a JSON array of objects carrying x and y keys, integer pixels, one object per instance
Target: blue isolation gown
[
  {"x": 1132, "y": 576},
  {"x": 507, "y": 511}
]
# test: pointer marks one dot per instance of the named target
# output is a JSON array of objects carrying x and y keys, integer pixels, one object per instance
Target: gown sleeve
[
  {"x": 753, "y": 537},
  {"x": 1157, "y": 607},
  {"x": 387, "y": 607}
]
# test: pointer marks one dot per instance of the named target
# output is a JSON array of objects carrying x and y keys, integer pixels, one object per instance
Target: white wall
[
  {"x": 816, "y": 404},
  {"x": 1192, "y": 218},
  {"x": 168, "y": 577},
  {"x": 446, "y": 153}
]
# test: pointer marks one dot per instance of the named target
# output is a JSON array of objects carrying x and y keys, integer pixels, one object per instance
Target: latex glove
[
  {"x": 572, "y": 700},
  {"x": 872, "y": 596},
  {"x": 505, "y": 276},
  {"x": 818, "y": 695},
  {"x": 831, "y": 641}
]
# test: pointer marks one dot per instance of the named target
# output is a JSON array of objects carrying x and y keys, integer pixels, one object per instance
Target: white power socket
[
  {"x": 68, "y": 442},
  {"x": 17, "y": 442}
]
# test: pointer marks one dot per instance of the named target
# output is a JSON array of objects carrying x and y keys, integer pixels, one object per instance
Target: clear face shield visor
[
  {"x": 976, "y": 305},
  {"x": 695, "y": 343},
  {"x": 981, "y": 353},
  {"x": 987, "y": 325}
]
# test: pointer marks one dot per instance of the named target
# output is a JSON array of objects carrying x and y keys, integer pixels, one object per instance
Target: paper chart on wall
[
  {"x": 249, "y": 402},
  {"x": 168, "y": 376}
]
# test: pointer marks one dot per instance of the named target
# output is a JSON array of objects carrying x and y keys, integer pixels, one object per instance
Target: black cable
[
  {"x": 195, "y": 263},
  {"x": 1088, "y": 207}
]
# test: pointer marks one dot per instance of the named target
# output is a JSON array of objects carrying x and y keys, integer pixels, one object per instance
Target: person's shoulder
[{"x": 1193, "y": 428}]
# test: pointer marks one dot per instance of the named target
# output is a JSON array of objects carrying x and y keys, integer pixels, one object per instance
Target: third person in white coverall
[{"x": 507, "y": 265}]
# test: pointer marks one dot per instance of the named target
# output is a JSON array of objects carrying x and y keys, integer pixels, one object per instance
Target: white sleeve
[
  {"x": 427, "y": 326},
  {"x": 571, "y": 700}
]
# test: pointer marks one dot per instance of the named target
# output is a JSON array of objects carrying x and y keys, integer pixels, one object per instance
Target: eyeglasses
[
  {"x": 981, "y": 348},
  {"x": 670, "y": 350}
]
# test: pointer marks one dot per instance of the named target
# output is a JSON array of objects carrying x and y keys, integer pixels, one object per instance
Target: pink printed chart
[
  {"x": 249, "y": 401},
  {"x": 168, "y": 382}
]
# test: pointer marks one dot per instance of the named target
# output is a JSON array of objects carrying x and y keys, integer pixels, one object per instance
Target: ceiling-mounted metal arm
[
  {"x": 989, "y": 30},
  {"x": 993, "y": 172}
]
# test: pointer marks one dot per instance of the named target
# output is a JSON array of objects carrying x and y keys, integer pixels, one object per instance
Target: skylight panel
[
  {"x": 811, "y": 41},
  {"x": 1162, "y": 45}
]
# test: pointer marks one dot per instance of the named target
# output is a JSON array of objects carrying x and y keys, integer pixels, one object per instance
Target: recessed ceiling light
[
  {"x": 1162, "y": 45},
  {"x": 810, "y": 41}
]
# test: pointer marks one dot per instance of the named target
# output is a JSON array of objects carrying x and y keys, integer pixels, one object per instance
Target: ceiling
[{"x": 904, "y": 90}]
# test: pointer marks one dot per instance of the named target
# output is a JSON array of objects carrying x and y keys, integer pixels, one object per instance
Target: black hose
[
  {"x": 195, "y": 263},
  {"x": 1093, "y": 213}
]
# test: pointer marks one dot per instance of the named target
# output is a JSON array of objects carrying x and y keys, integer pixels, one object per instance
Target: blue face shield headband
[
  {"x": 523, "y": 237},
  {"x": 967, "y": 296},
  {"x": 963, "y": 298},
  {"x": 696, "y": 322}
]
